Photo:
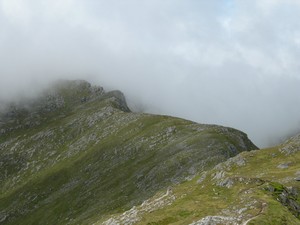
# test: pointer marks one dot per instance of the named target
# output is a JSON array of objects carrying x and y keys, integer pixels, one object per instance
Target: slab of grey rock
[{"x": 284, "y": 165}]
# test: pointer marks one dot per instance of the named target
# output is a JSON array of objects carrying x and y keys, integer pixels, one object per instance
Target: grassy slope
[
  {"x": 238, "y": 189},
  {"x": 89, "y": 159}
]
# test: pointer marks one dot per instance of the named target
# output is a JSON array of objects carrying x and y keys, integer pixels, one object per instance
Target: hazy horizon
[{"x": 227, "y": 62}]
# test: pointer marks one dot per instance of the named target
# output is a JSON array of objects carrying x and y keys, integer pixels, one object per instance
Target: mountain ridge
[{"x": 79, "y": 154}]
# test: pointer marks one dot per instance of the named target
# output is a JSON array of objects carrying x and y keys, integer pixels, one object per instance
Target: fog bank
[{"x": 228, "y": 62}]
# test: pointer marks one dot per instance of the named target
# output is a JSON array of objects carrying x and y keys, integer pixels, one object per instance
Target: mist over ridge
[{"x": 233, "y": 63}]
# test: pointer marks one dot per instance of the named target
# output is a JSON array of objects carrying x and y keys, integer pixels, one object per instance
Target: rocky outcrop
[
  {"x": 291, "y": 146},
  {"x": 289, "y": 197},
  {"x": 215, "y": 220},
  {"x": 135, "y": 214}
]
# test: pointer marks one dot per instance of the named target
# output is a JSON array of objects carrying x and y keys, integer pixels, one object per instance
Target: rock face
[
  {"x": 77, "y": 154},
  {"x": 286, "y": 196}
]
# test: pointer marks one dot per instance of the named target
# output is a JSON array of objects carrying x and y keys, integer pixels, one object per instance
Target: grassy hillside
[
  {"x": 76, "y": 155},
  {"x": 257, "y": 187}
]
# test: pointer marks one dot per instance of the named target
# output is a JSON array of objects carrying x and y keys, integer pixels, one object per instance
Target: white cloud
[
  {"x": 228, "y": 62},
  {"x": 16, "y": 11}
]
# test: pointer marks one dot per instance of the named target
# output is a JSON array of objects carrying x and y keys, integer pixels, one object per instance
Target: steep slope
[
  {"x": 76, "y": 154},
  {"x": 257, "y": 187}
]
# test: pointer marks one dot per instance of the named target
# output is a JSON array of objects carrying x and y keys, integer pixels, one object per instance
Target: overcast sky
[{"x": 229, "y": 62}]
